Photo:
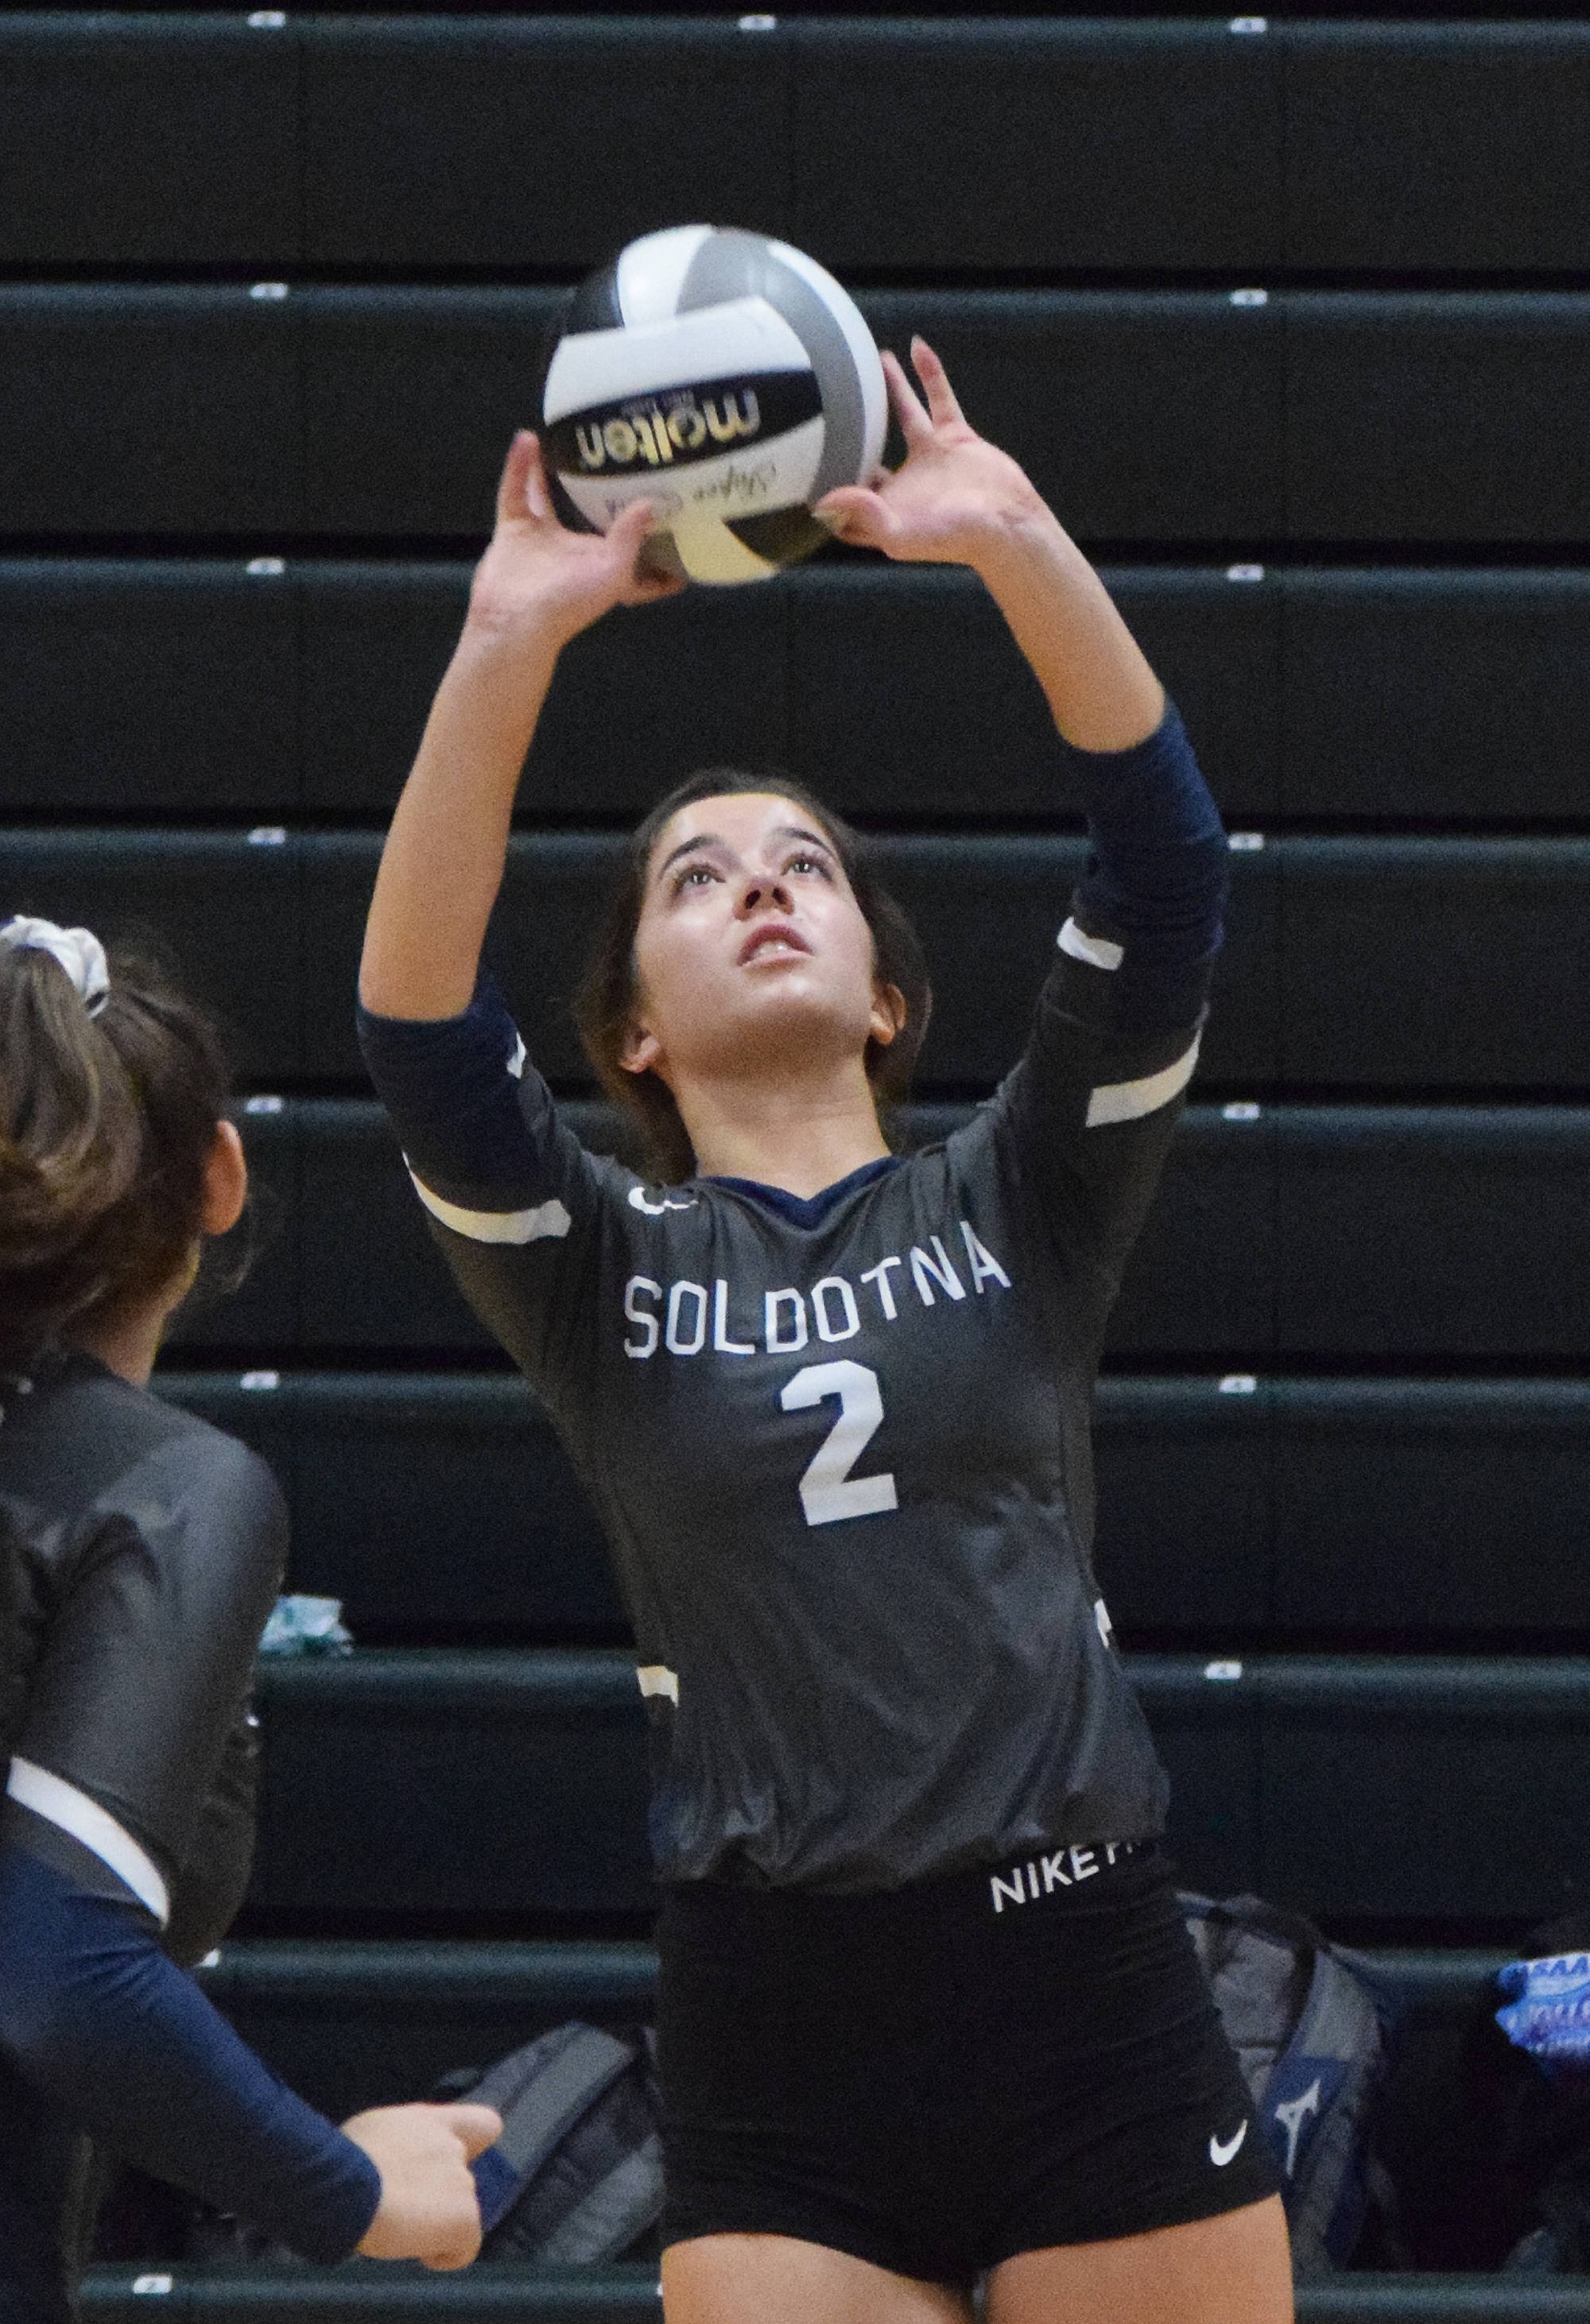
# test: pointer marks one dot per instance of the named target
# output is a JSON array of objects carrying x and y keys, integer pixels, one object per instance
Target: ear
[
  {"x": 226, "y": 1181},
  {"x": 889, "y": 1014},
  {"x": 642, "y": 1052}
]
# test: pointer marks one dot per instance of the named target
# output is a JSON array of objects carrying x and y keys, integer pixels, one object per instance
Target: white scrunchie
[{"x": 78, "y": 951}]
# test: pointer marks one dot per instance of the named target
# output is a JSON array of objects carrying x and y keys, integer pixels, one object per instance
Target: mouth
[{"x": 774, "y": 940}]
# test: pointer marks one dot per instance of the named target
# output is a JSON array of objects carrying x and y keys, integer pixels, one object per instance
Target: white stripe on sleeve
[
  {"x": 1098, "y": 952},
  {"x": 548, "y": 1218},
  {"x": 71, "y": 1811},
  {"x": 1130, "y": 1100},
  {"x": 656, "y": 1678}
]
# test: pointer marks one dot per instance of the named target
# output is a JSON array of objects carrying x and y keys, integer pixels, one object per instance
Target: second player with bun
[
  {"x": 928, "y": 2010},
  {"x": 140, "y": 1551}
]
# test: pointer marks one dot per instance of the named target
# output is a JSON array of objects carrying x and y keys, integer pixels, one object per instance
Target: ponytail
[{"x": 109, "y": 1097}]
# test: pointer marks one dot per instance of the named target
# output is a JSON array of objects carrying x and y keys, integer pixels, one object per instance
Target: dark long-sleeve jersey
[
  {"x": 140, "y": 1551},
  {"x": 840, "y": 1448}
]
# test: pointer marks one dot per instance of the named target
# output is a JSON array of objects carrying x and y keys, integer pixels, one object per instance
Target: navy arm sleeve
[
  {"x": 474, "y": 1119},
  {"x": 1157, "y": 876},
  {"x": 94, "y": 2016},
  {"x": 509, "y": 1188},
  {"x": 1091, "y": 1106}
]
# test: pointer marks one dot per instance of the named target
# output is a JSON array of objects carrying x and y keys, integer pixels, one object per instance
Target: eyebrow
[
  {"x": 711, "y": 839},
  {"x": 813, "y": 838}
]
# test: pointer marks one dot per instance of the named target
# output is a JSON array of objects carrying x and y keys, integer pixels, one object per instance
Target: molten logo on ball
[
  {"x": 683, "y": 424},
  {"x": 653, "y": 437}
]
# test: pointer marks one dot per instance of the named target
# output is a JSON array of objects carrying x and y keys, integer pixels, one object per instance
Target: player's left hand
[{"x": 954, "y": 498}]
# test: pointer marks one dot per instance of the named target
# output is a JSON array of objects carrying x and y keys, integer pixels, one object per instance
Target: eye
[
  {"x": 816, "y": 864},
  {"x": 693, "y": 871}
]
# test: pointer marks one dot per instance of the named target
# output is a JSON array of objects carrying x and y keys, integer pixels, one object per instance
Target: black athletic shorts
[{"x": 937, "y": 2078}]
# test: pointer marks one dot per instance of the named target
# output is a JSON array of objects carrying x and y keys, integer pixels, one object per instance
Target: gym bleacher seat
[{"x": 1279, "y": 311}]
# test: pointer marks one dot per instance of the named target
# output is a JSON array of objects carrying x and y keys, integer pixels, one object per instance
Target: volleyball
[{"x": 727, "y": 379}]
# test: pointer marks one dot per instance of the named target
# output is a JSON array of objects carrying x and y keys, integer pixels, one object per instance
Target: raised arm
[
  {"x": 537, "y": 586},
  {"x": 1150, "y": 903},
  {"x": 1117, "y": 1031},
  {"x": 960, "y": 501}
]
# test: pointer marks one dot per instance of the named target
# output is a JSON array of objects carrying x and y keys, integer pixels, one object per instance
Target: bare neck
[
  {"x": 127, "y": 1339},
  {"x": 800, "y": 1135}
]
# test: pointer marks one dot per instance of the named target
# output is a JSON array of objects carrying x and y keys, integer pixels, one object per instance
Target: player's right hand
[
  {"x": 428, "y": 2210},
  {"x": 539, "y": 574}
]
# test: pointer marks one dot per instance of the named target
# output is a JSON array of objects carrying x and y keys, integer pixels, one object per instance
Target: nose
[{"x": 760, "y": 893}]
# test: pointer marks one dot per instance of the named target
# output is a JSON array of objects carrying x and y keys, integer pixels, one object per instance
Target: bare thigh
[
  {"x": 1232, "y": 2270},
  {"x": 780, "y": 2280}
]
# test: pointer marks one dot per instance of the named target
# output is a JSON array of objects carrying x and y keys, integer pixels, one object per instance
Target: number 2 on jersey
[{"x": 828, "y": 1491}]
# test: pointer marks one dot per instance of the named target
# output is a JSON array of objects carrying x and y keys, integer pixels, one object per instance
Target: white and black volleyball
[{"x": 725, "y": 377}]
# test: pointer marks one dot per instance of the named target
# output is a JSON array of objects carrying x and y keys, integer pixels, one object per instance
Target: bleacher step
[
  {"x": 486, "y": 1787},
  {"x": 375, "y": 2295},
  {"x": 371, "y": 2293}
]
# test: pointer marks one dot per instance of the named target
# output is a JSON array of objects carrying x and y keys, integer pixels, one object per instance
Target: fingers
[
  {"x": 941, "y": 398},
  {"x": 918, "y": 423},
  {"x": 478, "y": 2127},
  {"x": 626, "y": 537},
  {"x": 460, "y": 2255},
  {"x": 514, "y": 488},
  {"x": 631, "y": 525},
  {"x": 915, "y": 425},
  {"x": 643, "y": 583},
  {"x": 647, "y": 587},
  {"x": 458, "y": 2252},
  {"x": 538, "y": 492},
  {"x": 854, "y": 514}
]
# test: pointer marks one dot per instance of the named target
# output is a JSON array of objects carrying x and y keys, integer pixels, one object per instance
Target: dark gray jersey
[
  {"x": 140, "y": 1552},
  {"x": 844, "y": 1465},
  {"x": 840, "y": 1449}
]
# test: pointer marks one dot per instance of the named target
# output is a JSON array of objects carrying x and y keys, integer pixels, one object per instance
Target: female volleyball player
[
  {"x": 140, "y": 1552},
  {"x": 928, "y": 2011}
]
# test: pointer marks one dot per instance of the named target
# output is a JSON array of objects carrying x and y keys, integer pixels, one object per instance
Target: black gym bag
[{"x": 576, "y": 2178}]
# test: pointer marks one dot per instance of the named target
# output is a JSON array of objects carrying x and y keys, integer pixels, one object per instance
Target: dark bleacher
[
  {"x": 1439, "y": 1234},
  {"x": 1422, "y": 418},
  {"x": 1387, "y": 694},
  {"x": 1463, "y": 946},
  {"x": 630, "y": 2296},
  {"x": 1292, "y": 318},
  {"x": 356, "y": 2024},
  {"x": 1234, "y": 1510},
  {"x": 1159, "y": 147},
  {"x": 471, "y": 1786}
]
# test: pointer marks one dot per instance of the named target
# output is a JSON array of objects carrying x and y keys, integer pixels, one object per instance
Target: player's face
[{"x": 752, "y": 949}]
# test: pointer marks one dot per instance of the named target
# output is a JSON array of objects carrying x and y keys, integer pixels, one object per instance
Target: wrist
[
  {"x": 528, "y": 632},
  {"x": 1020, "y": 539},
  {"x": 505, "y": 667}
]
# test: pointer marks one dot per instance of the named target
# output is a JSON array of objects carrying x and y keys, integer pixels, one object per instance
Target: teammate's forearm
[
  {"x": 442, "y": 863},
  {"x": 94, "y": 2016},
  {"x": 1100, "y": 688}
]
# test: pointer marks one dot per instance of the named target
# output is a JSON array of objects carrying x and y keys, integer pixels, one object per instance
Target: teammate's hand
[
  {"x": 428, "y": 2210},
  {"x": 538, "y": 573},
  {"x": 954, "y": 498}
]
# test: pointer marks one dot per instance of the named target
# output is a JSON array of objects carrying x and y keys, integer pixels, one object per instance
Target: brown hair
[
  {"x": 610, "y": 988},
  {"x": 105, "y": 1126}
]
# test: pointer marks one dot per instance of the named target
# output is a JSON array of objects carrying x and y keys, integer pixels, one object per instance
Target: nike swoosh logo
[
  {"x": 1220, "y": 2154},
  {"x": 637, "y": 1201}
]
